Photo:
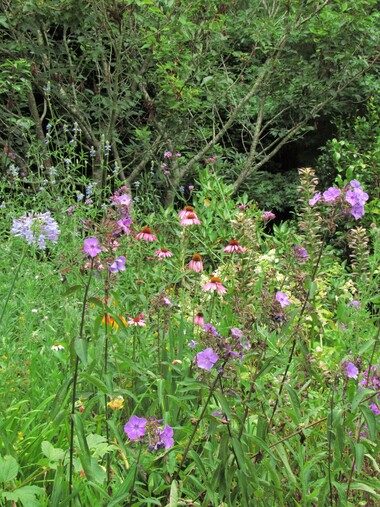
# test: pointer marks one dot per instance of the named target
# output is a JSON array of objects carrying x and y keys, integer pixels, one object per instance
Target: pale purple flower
[
  {"x": 124, "y": 224},
  {"x": 331, "y": 194},
  {"x": 166, "y": 173},
  {"x": 209, "y": 328},
  {"x": 351, "y": 370},
  {"x": 282, "y": 298},
  {"x": 206, "y": 359},
  {"x": 192, "y": 344},
  {"x": 167, "y": 301},
  {"x": 354, "y": 303},
  {"x": 122, "y": 200},
  {"x": 317, "y": 197},
  {"x": 178, "y": 155},
  {"x": 214, "y": 284},
  {"x": 91, "y": 247},
  {"x": 300, "y": 252},
  {"x": 268, "y": 215},
  {"x": 163, "y": 165},
  {"x": 168, "y": 154},
  {"x": 166, "y": 436},
  {"x": 135, "y": 427},
  {"x": 191, "y": 187},
  {"x": 118, "y": 264},
  {"x": 357, "y": 198},
  {"x": 36, "y": 229},
  {"x": 375, "y": 409},
  {"x": 236, "y": 332}
]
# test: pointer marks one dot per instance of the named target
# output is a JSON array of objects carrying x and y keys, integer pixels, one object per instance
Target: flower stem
[{"x": 75, "y": 383}]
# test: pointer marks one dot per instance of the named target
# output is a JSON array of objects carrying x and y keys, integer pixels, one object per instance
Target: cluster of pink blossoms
[{"x": 188, "y": 217}]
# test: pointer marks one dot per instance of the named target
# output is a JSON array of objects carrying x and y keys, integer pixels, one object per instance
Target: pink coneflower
[
  {"x": 233, "y": 246},
  {"x": 190, "y": 219},
  {"x": 199, "y": 320},
  {"x": 137, "y": 321},
  {"x": 196, "y": 263},
  {"x": 215, "y": 283},
  {"x": 162, "y": 253},
  {"x": 146, "y": 235},
  {"x": 186, "y": 210}
]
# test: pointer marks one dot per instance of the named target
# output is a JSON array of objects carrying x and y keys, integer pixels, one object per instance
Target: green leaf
[
  {"x": 364, "y": 487},
  {"x": 26, "y": 495},
  {"x": 81, "y": 348},
  {"x": 370, "y": 419},
  {"x": 96, "y": 382},
  {"x": 173, "y": 499},
  {"x": 53, "y": 454},
  {"x": 8, "y": 468}
]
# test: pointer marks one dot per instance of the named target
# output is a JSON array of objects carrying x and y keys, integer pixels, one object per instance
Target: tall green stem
[{"x": 75, "y": 383}]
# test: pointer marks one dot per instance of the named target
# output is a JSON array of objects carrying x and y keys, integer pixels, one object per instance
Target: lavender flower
[
  {"x": 331, "y": 194},
  {"x": 317, "y": 197},
  {"x": 357, "y": 198},
  {"x": 300, "y": 253},
  {"x": 209, "y": 328},
  {"x": 135, "y": 427},
  {"x": 206, "y": 359},
  {"x": 282, "y": 298},
  {"x": 91, "y": 247},
  {"x": 166, "y": 436},
  {"x": 118, "y": 264},
  {"x": 351, "y": 370},
  {"x": 236, "y": 332},
  {"x": 36, "y": 229}
]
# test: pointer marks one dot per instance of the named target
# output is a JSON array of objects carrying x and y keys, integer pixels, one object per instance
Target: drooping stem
[{"x": 75, "y": 383}]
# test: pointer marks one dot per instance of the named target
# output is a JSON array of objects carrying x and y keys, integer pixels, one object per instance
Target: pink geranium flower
[
  {"x": 146, "y": 235},
  {"x": 162, "y": 253},
  {"x": 214, "y": 284},
  {"x": 233, "y": 246},
  {"x": 196, "y": 263},
  {"x": 190, "y": 219}
]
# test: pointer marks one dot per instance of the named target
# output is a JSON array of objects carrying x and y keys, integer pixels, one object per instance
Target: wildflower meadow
[{"x": 195, "y": 354}]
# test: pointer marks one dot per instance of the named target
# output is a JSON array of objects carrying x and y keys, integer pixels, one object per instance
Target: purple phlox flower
[
  {"x": 178, "y": 155},
  {"x": 351, "y": 370},
  {"x": 135, "y": 427},
  {"x": 206, "y": 359},
  {"x": 166, "y": 436},
  {"x": 124, "y": 224},
  {"x": 317, "y": 197},
  {"x": 192, "y": 344},
  {"x": 354, "y": 303},
  {"x": 191, "y": 187},
  {"x": 36, "y": 228},
  {"x": 217, "y": 413},
  {"x": 209, "y": 328},
  {"x": 282, "y": 298},
  {"x": 118, "y": 264},
  {"x": 331, "y": 194},
  {"x": 357, "y": 198},
  {"x": 375, "y": 409},
  {"x": 300, "y": 252},
  {"x": 232, "y": 353},
  {"x": 168, "y": 154},
  {"x": 91, "y": 247},
  {"x": 122, "y": 200},
  {"x": 236, "y": 332}
]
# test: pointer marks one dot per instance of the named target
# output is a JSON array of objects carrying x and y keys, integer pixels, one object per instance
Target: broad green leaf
[
  {"x": 27, "y": 495},
  {"x": 8, "y": 468},
  {"x": 52, "y": 453}
]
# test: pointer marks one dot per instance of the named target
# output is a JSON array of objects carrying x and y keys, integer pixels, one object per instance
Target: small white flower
[
  {"x": 34, "y": 310},
  {"x": 57, "y": 346}
]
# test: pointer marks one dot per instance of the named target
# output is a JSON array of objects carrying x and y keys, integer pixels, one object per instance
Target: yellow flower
[{"x": 117, "y": 403}]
